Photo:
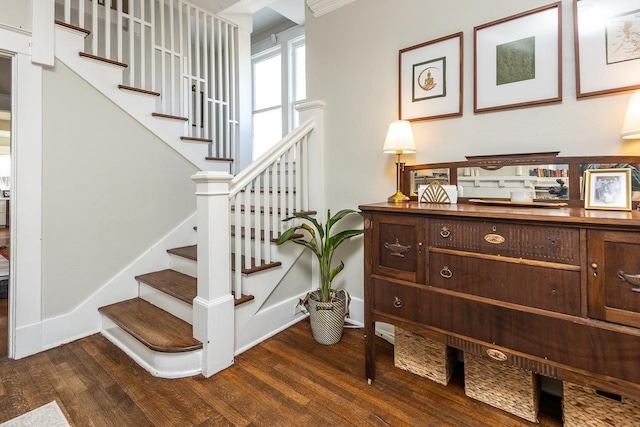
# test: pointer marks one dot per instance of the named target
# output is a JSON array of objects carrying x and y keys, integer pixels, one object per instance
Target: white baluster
[
  {"x": 266, "y": 217},
  {"x": 257, "y": 219}
]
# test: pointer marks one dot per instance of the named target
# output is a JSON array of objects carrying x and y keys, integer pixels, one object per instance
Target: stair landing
[{"x": 152, "y": 326}]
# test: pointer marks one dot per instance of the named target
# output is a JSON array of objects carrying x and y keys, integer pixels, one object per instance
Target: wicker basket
[
  {"x": 423, "y": 356},
  {"x": 511, "y": 389},
  {"x": 583, "y": 407}
]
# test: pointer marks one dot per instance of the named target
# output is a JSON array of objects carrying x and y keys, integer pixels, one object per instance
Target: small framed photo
[
  {"x": 518, "y": 60},
  {"x": 431, "y": 79},
  {"x": 6, "y": 193},
  {"x": 606, "y": 36},
  {"x": 608, "y": 189}
]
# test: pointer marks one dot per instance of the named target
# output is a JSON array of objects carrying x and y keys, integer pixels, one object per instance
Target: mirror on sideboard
[{"x": 545, "y": 175}]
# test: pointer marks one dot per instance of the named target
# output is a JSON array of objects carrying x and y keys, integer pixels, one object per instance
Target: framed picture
[
  {"x": 431, "y": 79},
  {"x": 607, "y": 44},
  {"x": 518, "y": 60},
  {"x": 608, "y": 189}
]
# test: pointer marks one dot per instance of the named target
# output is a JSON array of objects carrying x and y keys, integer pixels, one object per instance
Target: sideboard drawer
[
  {"x": 398, "y": 252},
  {"x": 396, "y": 299},
  {"x": 554, "y": 287},
  {"x": 543, "y": 243}
]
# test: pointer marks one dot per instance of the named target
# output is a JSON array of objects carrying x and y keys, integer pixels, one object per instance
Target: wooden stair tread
[
  {"x": 196, "y": 139},
  {"x": 169, "y": 116},
  {"x": 253, "y": 234},
  {"x": 101, "y": 59},
  {"x": 179, "y": 285},
  {"x": 138, "y": 90},
  {"x": 191, "y": 252},
  {"x": 152, "y": 326},
  {"x": 271, "y": 212},
  {"x": 171, "y": 282},
  {"x": 244, "y": 298},
  {"x": 73, "y": 27},
  {"x": 222, "y": 159}
]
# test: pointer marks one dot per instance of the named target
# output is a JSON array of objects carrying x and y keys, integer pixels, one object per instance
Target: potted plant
[{"x": 327, "y": 307}]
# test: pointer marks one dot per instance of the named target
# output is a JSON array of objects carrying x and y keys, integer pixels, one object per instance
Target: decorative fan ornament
[{"x": 435, "y": 193}]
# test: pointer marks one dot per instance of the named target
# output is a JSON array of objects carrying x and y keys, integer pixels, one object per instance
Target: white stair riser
[
  {"x": 159, "y": 364},
  {"x": 174, "y": 306},
  {"x": 183, "y": 265}
]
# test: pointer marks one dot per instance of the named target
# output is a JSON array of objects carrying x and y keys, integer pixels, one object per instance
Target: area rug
[{"x": 48, "y": 415}]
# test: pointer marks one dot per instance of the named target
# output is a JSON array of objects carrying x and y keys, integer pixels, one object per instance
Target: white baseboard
[{"x": 268, "y": 323}]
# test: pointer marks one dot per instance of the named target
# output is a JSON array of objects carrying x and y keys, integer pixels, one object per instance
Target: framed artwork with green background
[{"x": 518, "y": 60}]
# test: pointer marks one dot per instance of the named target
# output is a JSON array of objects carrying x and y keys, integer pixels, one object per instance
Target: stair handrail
[
  {"x": 273, "y": 187},
  {"x": 258, "y": 166}
]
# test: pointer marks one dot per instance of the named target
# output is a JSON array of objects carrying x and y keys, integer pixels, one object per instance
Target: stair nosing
[
  {"x": 196, "y": 139},
  {"x": 169, "y": 116},
  {"x": 138, "y": 90},
  {"x": 101, "y": 59},
  {"x": 73, "y": 27}
]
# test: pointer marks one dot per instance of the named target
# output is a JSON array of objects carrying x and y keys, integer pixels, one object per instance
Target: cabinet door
[
  {"x": 614, "y": 276},
  {"x": 398, "y": 243}
]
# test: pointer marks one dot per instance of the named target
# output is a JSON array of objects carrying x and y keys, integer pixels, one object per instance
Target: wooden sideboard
[{"x": 545, "y": 289}]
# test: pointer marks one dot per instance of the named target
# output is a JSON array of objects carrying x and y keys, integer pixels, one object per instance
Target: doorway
[{"x": 5, "y": 193}]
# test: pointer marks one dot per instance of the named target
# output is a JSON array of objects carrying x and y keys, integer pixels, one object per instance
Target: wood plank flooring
[{"x": 288, "y": 380}]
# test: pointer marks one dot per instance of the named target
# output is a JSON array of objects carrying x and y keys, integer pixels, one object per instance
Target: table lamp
[
  {"x": 399, "y": 141},
  {"x": 631, "y": 125}
]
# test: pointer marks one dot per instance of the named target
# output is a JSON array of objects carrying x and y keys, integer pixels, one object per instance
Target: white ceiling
[{"x": 266, "y": 13}]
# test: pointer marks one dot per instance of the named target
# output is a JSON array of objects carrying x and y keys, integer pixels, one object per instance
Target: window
[
  {"x": 267, "y": 102},
  {"x": 279, "y": 84}
]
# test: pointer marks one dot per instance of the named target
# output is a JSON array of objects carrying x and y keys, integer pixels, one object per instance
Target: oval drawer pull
[
  {"x": 632, "y": 279},
  {"x": 496, "y": 354},
  {"x": 445, "y": 232},
  {"x": 446, "y": 273},
  {"x": 397, "y": 303}
]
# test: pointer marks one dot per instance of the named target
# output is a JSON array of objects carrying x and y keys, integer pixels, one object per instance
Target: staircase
[{"x": 193, "y": 316}]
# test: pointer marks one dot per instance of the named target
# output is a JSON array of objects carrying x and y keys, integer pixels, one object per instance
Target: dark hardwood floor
[{"x": 288, "y": 380}]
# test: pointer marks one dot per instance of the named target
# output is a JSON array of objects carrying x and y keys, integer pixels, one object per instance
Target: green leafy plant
[{"x": 320, "y": 241}]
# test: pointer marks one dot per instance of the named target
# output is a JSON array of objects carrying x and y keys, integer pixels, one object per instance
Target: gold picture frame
[{"x": 608, "y": 189}]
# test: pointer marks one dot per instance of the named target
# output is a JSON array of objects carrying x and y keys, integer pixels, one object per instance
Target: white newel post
[
  {"x": 315, "y": 144},
  {"x": 213, "y": 308}
]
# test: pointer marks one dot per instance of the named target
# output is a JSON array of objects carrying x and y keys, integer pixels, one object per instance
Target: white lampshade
[
  {"x": 399, "y": 138},
  {"x": 631, "y": 125}
]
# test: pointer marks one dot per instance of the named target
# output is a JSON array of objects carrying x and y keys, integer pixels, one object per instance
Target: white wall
[
  {"x": 16, "y": 13},
  {"x": 352, "y": 65},
  {"x": 111, "y": 189}
]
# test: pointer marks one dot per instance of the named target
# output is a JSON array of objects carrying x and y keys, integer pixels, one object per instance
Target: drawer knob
[
  {"x": 446, "y": 273},
  {"x": 632, "y": 279},
  {"x": 445, "y": 232},
  {"x": 397, "y": 303}
]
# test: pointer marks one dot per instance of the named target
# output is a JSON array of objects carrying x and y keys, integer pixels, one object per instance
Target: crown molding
[{"x": 322, "y": 7}]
